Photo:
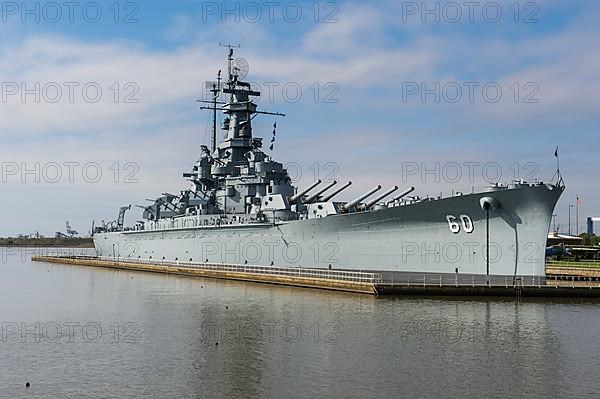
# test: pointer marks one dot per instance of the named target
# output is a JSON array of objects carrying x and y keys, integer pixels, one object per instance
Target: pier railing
[
  {"x": 460, "y": 280},
  {"x": 298, "y": 272},
  {"x": 579, "y": 265},
  {"x": 449, "y": 280}
]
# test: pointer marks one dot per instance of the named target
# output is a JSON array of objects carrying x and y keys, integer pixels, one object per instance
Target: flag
[
  {"x": 556, "y": 152},
  {"x": 274, "y": 135}
]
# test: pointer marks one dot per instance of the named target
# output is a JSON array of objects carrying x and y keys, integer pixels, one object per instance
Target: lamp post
[
  {"x": 570, "y": 206},
  {"x": 577, "y": 217},
  {"x": 554, "y": 221}
]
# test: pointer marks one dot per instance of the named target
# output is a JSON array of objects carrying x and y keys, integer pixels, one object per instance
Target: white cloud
[{"x": 163, "y": 131}]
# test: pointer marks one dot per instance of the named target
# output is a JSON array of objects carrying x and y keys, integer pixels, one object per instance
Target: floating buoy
[
  {"x": 226, "y": 307},
  {"x": 216, "y": 344},
  {"x": 27, "y": 385}
]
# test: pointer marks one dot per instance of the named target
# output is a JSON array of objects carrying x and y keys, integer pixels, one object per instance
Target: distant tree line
[{"x": 590, "y": 240}]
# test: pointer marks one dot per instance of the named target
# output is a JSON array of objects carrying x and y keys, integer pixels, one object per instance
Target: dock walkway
[{"x": 345, "y": 280}]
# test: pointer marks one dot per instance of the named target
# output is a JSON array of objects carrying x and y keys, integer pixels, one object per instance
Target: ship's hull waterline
[{"x": 439, "y": 236}]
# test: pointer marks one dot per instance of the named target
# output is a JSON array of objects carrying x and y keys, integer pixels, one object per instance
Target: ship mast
[
  {"x": 230, "y": 81},
  {"x": 215, "y": 91},
  {"x": 239, "y": 107}
]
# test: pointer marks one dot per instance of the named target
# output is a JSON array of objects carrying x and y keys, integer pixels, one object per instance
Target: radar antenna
[
  {"x": 240, "y": 68},
  {"x": 230, "y": 59}
]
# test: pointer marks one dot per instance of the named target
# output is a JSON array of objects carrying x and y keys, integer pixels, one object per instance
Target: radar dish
[{"x": 240, "y": 68}]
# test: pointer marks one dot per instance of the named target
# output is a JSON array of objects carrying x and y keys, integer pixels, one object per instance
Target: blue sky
[{"x": 362, "y": 115}]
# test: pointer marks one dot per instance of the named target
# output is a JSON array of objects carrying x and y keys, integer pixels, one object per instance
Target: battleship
[{"x": 242, "y": 208}]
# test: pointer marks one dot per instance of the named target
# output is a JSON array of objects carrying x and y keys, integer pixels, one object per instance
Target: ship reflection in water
[{"x": 156, "y": 336}]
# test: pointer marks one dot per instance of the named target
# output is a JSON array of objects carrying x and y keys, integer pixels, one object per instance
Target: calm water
[{"x": 81, "y": 332}]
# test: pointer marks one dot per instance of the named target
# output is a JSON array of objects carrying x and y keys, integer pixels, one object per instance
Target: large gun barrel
[
  {"x": 316, "y": 195},
  {"x": 296, "y": 197},
  {"x": 403, "y": 194},
  {"x": 382, "y": 196},
  {"x": 336, "y": 192},
  {"x": 362, "y": 197}
]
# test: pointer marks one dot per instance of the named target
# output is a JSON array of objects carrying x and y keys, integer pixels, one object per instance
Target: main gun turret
[{"x": 295, "y": 198}]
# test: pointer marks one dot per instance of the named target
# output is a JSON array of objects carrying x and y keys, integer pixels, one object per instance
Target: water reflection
[{"x": 160, "y": 334}]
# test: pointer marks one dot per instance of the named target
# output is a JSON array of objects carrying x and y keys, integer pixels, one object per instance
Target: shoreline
[{"x": 47, "y": 242}]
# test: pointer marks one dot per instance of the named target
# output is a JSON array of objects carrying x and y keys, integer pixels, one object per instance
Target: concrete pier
[
  {"x": 562, "y": 290},
  {"x": 339, "y": 280},
  {"x": 309, "y": 278}
]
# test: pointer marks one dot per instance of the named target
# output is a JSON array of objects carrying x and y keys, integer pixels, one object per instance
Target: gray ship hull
[{"x": 444, "y": 236}]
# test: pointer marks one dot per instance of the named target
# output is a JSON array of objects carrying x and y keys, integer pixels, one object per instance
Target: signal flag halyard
[{"x": 274, "y": 135}]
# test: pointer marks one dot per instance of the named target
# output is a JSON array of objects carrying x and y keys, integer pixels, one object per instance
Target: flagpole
[
  {"x": 577, "y": 217},
  {"x": 570, "y": 206},
  {"x": 557, "y": 163}
]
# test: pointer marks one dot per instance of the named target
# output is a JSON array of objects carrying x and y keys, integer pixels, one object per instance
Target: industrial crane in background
[{"x": 71, "y": 233}]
